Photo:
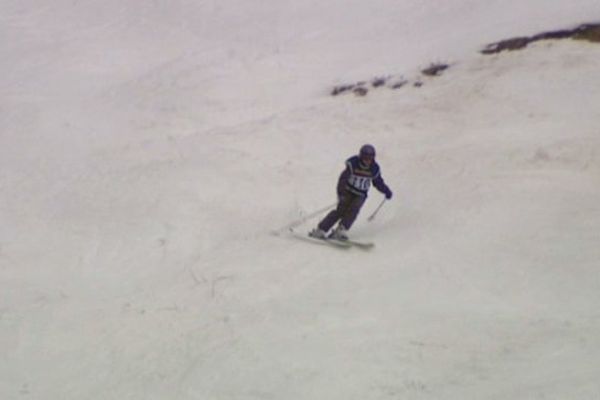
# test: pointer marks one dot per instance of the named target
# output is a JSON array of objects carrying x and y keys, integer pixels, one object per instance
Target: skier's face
[{"x": 367, "y": 159}]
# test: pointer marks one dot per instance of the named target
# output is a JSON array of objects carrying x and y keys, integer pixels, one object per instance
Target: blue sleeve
[
  {"x": 379, "y": 183},
  {"x": 343, "y": 180},
  {"x": 351, "y": 163}
]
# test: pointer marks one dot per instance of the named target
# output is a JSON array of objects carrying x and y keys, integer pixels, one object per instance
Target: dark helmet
[{"x": 367, "y": 151}]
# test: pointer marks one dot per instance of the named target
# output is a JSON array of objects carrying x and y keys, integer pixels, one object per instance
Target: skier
[{"x": 353, "y": 185}]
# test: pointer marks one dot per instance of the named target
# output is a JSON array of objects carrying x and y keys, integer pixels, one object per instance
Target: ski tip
[{"x": 362, "y": 245}]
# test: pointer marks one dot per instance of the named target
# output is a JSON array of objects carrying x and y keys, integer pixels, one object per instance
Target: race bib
[{"x": 360, "y": 182}]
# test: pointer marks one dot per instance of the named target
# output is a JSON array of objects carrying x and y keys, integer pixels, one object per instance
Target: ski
[
  {"x": 335, "y": 242},
  {"x": 325, "y": 241},
  {"x": 351, "y": 242},
  {"x": 359, "y": 244}
]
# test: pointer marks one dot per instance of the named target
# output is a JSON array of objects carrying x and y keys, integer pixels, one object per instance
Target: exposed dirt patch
[
  {"x": 589, "y": 32},
  {"x": 435, "y": 69},
  {"x": 392, "y": 82}
]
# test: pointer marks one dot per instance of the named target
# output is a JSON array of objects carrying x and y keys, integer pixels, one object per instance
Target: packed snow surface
[{"x": 149, "y": 150}]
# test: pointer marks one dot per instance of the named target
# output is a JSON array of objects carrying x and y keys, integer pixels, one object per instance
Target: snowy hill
[{"x": 148, "y": 149}]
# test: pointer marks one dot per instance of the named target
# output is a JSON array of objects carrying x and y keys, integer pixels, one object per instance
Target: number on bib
[{"x": 361, "y": 183}]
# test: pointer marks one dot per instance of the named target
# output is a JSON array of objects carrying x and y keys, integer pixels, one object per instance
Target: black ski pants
[{"x": 346, "y": 211}]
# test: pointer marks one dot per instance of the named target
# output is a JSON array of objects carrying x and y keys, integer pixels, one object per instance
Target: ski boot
[
  {"x": 339, "y": 233},
  {"x": 318, "y": 233}
]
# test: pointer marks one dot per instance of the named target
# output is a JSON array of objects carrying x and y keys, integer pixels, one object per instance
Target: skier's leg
[
  {"x": 347, "y": 218},
  {"x": 335, "y": 215},
  {"x": 352, "y": 211}
]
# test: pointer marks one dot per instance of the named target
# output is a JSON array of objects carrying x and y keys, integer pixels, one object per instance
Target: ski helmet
[{"x": 367, "y": 151}]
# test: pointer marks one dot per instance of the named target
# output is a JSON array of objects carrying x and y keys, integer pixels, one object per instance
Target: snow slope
[{"x": 148, "y": 149}]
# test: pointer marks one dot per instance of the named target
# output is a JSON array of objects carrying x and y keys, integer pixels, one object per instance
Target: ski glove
[{"x": 388, "y": 194}]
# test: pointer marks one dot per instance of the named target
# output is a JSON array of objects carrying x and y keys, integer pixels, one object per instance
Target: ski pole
[
  {"x": 302, "y": 220},
  {"x": 372, "y": 216}
]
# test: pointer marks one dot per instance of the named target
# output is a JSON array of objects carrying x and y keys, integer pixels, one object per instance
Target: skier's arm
[
  {"x": 342, "y": 181},
  {"x": 382, "y": 187}
]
